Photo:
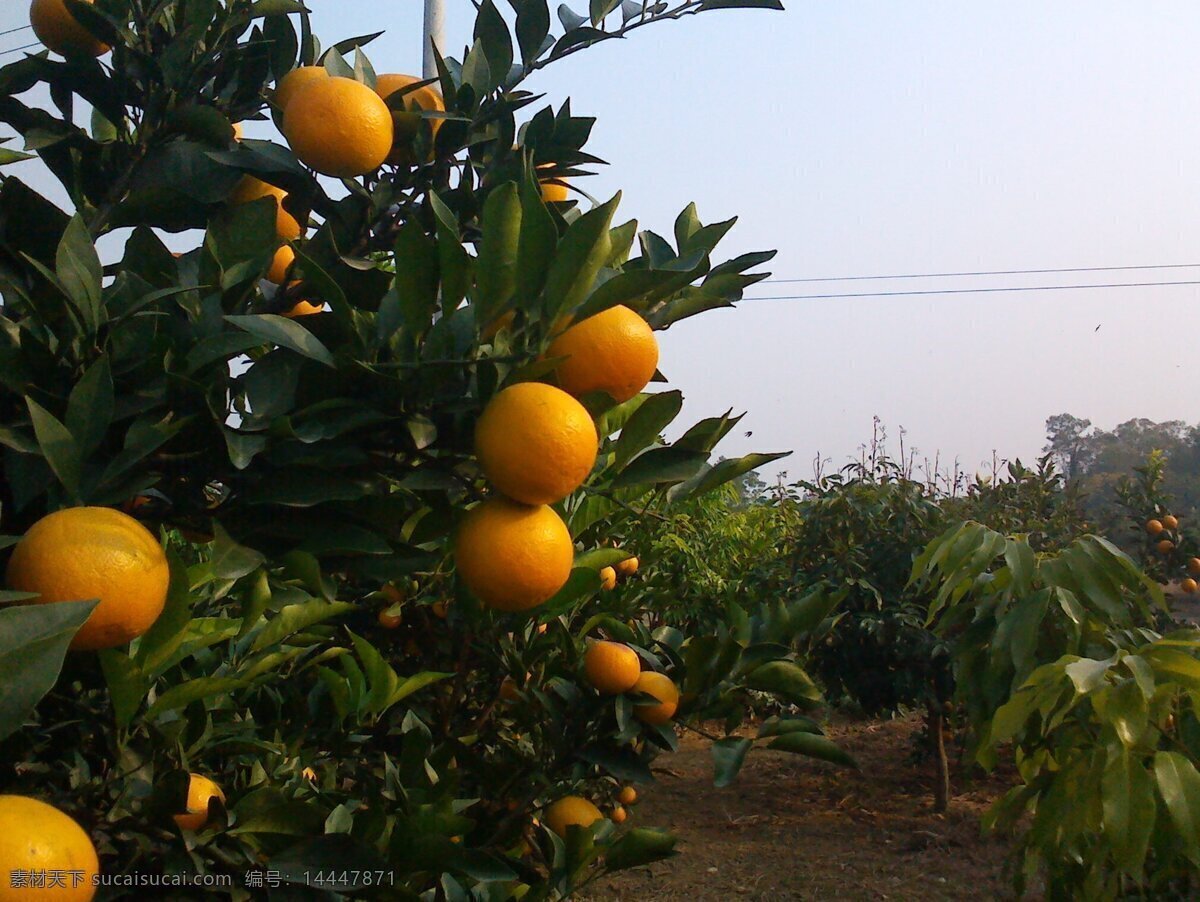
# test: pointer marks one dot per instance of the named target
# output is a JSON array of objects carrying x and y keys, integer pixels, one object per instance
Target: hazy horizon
[{"x": 920, "y": 138}]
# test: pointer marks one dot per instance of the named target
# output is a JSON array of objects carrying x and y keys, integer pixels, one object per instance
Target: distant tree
[
  {"x": 1069, "y": 444},
  {"x": 750, "y": 488}
]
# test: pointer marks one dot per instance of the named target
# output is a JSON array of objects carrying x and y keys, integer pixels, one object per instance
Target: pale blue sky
[{"x": 880, "y": 137}]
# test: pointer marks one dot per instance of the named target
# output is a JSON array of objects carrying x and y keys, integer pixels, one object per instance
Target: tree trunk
[{"x": 941, "y": 785}]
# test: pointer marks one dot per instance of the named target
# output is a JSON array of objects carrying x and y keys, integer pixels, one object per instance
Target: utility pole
[{"x": 435, "y": 22}]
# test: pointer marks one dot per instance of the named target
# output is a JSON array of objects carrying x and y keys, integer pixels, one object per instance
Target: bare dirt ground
[{"x": 793, "y": 828}]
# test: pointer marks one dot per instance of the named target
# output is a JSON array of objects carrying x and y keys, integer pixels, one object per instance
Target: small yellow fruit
[
  {"x": 309, "y": 774},
  {"x": 388, "y": 620},
  {"x": 1154, "y": 527},
  {"x": 280, "y": 264},
  {"x": 1193, "y": 565},
  {"x": 619, "y": 815},
  {"x": 535, "y": 443},
  {"x": 1165, "y": 546},
  {"x": 95, "y": 552},
  {"x": 555, "y": 193},
  {"x": 60, "y": 31},
  {"x": 608, "y": 578},
  {"x": 1189, "y": 585},
  {"x": 287, "y": 227},
  {"x": 304, "y": 308},
  {"x": 627, "y": 796},
  {"x": 611, "y": 668},
  {"x": 660, "y": 687},
  {"x": 38, "y": 838},
  {"x": 289, "y": 86},
  {"x": 1170, "y": 522},
  {"x": 339, "y": 127},
  {"x": 628, "y": 567},
  {"x": 406, "y": 125},
  {"x": 238, "y": 133},
  {"x": 614, "y": 351},
  {"x": 201, "y": 791},
  {"x": 440, "y": 609},
  {"x": 571, "y": 810},
  {"x": 509, "y": 690},
  {"x": 513, "y": 557}
]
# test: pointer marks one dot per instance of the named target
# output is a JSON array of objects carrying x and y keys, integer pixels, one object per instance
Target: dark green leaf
[
  {"x": 33, "y": 643},
  {"x": 90, "y": 407},
  {"x": 496, "y": 274},
  {"x": 638, "y": 847},
  {"x": 728, "y": 755},
  {"x": 812, "y": 746},
  {"x": 646, "y": 424},
  {"x": 785, "y": 679},
  {"x": 533, "y": 24},
  {"x": 284, "y": 332},
  {"x": 580, "y": 255},
  {"x": 57, "y": 446},
  {"x": 660, "y": 465}
]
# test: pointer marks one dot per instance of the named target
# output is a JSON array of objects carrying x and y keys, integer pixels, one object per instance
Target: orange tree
[
  {"x": 1059, "y": 666},
  {"x": 363, "y": 667},
  {"x": 1165, "y": 547}
]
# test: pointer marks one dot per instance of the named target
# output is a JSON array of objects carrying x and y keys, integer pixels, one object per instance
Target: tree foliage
[{"x": 307, "y": 473}]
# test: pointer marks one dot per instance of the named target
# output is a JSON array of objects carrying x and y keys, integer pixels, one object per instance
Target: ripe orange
[
  {"x": 200, "y": 791},
  {"x": 305, "y": 308},
  {"x": 627, "y": 567},
  {"x": 1189, "y": 585},
  {"x": 339, "y": 127},
  {"x": 406, "y": 125},
  {"x": 608, "y": 578},
  {"x": 289, "y": 86},
  {"x": 619, "y": 815},
  {"x": 440, "y": 609},
  {"x": 1193, "y": 565},
  {"x": 1165, "y": 546},
  {"x": 535, "y": 443},
  {"x": 95, "y": 552},
  {"x": 36, "y": 837},
  {"x": 59, "y": 30},
  {"x": 614, "y": 351},
  {"x": 571, "y": 810},
  {"x": 509, "y": 690},
  {"x": 249, "y": 188},
  {"x": 554, "y": 192},
  {"x": 238, "y": 133},
  {"x": 503, "y": 321},
  {"x": 280, "y": 264},
  {"x": 611, "y": 668},
  {"x": 512, "y": 556},
  {"x": 1154, "y": 527},
  {"x": 660, "y": 687},
  {"x": 388, "y": 620},
  {"x": 1170, "y": 521},
  {"x": 309, "y": 774},
  {"x": 627, "y": 796}
]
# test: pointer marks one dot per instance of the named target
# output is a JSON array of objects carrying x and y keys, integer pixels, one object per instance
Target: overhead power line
[
  {"x": 15, "y": 30},
  {"x": 17, "y": 49},
  {"x": 994, "y": 272},
  {"x": 885, "y": 294}
]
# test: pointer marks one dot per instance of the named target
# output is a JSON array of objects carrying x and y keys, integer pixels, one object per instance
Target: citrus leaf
[
  {"x": 812, "y": 746},
  {"x": 284, "y": 332},
  {"x": 728, "y": 755},
  {"x": 33, "y": 643}
]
